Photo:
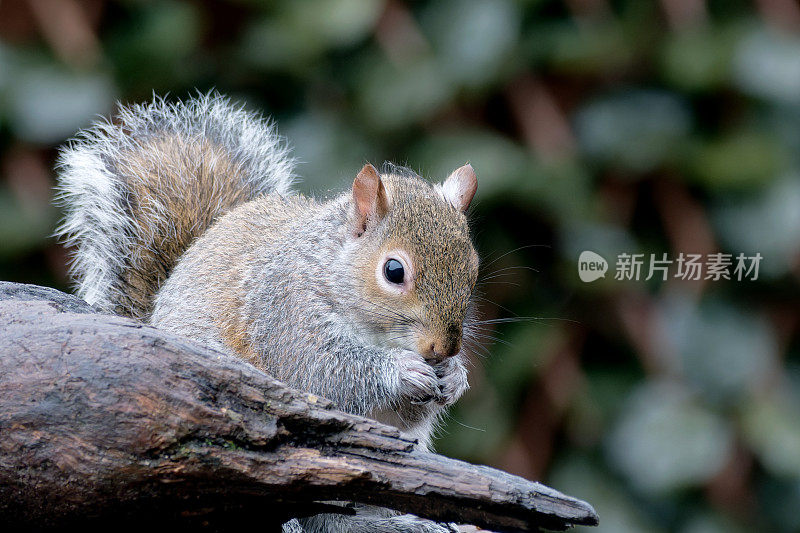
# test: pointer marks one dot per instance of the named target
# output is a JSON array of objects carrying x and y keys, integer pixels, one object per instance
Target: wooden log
[{"x": 111, "y": 423}]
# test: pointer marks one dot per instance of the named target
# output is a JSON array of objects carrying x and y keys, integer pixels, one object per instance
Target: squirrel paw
[
  {"x": 453, "y": 382},
  {"x": 418, "y": 380}
]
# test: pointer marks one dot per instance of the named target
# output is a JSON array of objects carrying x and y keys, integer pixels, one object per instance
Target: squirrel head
[{"x": 414, "y": 260}]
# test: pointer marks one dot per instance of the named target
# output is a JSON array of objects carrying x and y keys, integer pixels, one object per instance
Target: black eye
[{"x": 393, "y": 271}]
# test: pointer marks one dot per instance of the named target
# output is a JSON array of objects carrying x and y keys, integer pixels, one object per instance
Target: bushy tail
[{"x": 138, "y": 190}]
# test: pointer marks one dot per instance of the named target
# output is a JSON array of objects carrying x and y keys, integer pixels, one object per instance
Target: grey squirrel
[{"x": 182, "y": 215}]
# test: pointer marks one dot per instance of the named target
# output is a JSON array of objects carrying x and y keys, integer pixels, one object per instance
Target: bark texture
[{"x": 105, "y": 422}]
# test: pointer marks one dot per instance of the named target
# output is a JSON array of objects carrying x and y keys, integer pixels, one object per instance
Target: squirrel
[{"x": 183, "y": 216}]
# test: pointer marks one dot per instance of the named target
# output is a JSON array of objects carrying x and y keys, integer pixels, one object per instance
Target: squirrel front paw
[
  {"x": 419, "y": 382},
  {"x": 423, "y": 383},
  {"x": 453, "y": 382}
]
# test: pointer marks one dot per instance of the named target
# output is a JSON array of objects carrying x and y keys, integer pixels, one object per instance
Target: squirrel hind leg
[{"x": 369, "y": 519}]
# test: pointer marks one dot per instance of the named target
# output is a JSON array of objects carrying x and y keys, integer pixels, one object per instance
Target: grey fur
[{"x": 285, "y": 281}]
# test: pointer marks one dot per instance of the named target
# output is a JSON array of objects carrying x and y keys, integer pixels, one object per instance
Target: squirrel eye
[{"x": 393, "y": 271}]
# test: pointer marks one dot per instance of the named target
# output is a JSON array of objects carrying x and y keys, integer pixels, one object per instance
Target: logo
[
  {"x": 695, "y": 267},
  {"x": 591, "y": 266}
]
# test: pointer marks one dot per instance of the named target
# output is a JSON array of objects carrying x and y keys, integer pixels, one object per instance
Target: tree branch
[{"x": 108, "y": 421}]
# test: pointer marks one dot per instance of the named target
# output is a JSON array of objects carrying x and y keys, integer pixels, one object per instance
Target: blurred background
[{"x": 615, "y": 126}]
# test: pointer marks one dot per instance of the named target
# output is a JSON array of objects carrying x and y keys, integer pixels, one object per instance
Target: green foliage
[{"x": 618, "y": 127}]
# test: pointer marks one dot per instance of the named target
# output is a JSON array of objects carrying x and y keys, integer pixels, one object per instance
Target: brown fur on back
[{"x": 175, "y": 195}]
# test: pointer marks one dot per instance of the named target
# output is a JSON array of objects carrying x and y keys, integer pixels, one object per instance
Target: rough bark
[{"x": 108, "y": 422}]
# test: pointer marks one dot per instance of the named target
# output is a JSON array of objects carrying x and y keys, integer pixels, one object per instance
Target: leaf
[
  {"x": 48, "y": 104},
  {"x": 772, "y": 429},
  {"x": 740, "y": 160},
  {"x": 636, "y": 130},
  {"x": 767, "y": 222},
  {"x": 472, "y": 39},
  {"x": 699, "y": 58},
  {"x": 767, "y": 65},
  {"x": 665, "y": 440},
  {"x": 724, "y": 352},
  {"x": 393, "y": 96}
]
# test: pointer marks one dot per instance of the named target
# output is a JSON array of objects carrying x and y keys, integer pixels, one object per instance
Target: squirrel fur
[{"x": 182, "y": 215}]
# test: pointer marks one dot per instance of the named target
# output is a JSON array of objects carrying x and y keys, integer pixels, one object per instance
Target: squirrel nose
[{"x": 440, "y": 349}]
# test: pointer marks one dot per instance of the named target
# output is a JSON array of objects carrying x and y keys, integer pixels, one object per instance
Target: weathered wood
[{"x": 104, "y": 420}]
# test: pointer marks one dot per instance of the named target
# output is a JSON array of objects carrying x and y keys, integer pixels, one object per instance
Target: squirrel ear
[
  {"x": 370, "y": 197},
  {"x": 460, "y": 186}
]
